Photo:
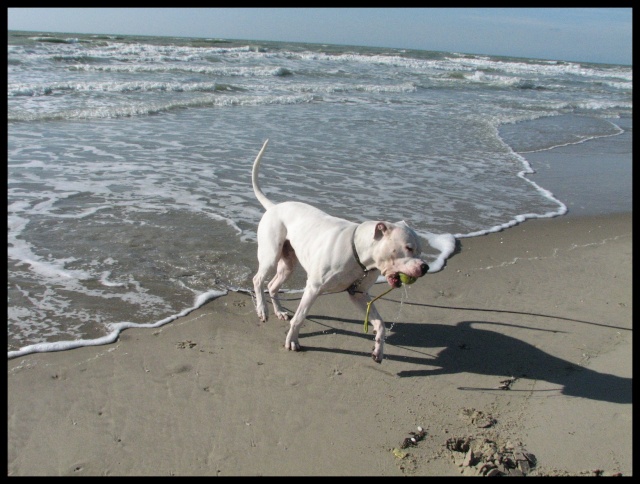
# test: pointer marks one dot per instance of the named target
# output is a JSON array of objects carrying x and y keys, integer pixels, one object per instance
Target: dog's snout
[{"x": 424, "y": 267}]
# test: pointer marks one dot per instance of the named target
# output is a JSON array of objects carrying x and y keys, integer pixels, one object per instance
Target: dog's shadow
[{"x": 470, "y": 348}]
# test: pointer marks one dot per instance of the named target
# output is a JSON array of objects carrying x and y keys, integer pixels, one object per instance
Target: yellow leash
[
  {"x": 366, "y": 318},
  {"x": 404, "y": 279}
]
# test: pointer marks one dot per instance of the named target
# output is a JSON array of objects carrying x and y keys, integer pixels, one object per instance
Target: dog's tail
[{"x": 262, "y": 198}]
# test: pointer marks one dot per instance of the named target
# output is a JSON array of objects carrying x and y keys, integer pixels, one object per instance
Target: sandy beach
[{"x": 522, "y": 345}]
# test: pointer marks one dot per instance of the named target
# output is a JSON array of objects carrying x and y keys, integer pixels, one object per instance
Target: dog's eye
[{"x": 409, "y": 249}]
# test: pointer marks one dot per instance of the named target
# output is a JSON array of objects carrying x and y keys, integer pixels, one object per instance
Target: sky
[{"x": 602, "y": 35}]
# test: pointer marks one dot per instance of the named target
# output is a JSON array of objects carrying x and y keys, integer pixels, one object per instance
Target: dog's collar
[
  {"x": 355, "y": 252},
  {"x": 353, "y": 288}
]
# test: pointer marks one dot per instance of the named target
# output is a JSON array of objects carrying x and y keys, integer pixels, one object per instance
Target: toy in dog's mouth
[{"x": 400, "y": 278}]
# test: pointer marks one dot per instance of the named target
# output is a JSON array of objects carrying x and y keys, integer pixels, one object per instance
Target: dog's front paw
[
  {"x": 377, "y": 355},
  {"x": 292, "y": 345}
]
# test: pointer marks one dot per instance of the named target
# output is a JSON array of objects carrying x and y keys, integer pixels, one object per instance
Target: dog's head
[{"x": 396, "y": 249}]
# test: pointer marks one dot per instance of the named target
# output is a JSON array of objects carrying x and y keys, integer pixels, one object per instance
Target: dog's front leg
[
  {"x": 361, "y": 299},
  {"x": 309, "y": 296}
]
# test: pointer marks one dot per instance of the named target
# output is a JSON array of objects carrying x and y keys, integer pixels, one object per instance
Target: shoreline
[
  {"x": 112, "y": 336},
  {"x": 603, "y": 188},
  {"x": 547, "y": 302}
]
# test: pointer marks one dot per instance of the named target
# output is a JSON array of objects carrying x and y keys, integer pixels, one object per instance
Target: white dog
[{"x": 337, "y": 255}]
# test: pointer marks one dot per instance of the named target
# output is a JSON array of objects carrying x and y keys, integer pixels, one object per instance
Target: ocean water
[{"x": 129, "y": 161}]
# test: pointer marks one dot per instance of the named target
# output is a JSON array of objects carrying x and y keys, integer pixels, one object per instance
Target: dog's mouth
[{"x": 394, "y": 280}]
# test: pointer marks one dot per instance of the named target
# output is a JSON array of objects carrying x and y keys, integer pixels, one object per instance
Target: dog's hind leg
[
  {"x": 311, "y": 293},
  {"x": 271, "y": 241},
  {"x": 286, "y": 265},
  {"x": 261, "y": 306},
  {"x": 267, "y": 263}
]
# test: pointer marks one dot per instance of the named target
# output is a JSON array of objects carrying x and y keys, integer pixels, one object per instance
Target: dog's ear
[{"x": 381, "y": 229}]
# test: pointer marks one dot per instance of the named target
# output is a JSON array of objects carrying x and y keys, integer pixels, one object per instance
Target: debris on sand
[
  {"x": 486, "y": 457},
  {"x": 414, "y": 439},
  {"x": 506, "y": 384}
]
